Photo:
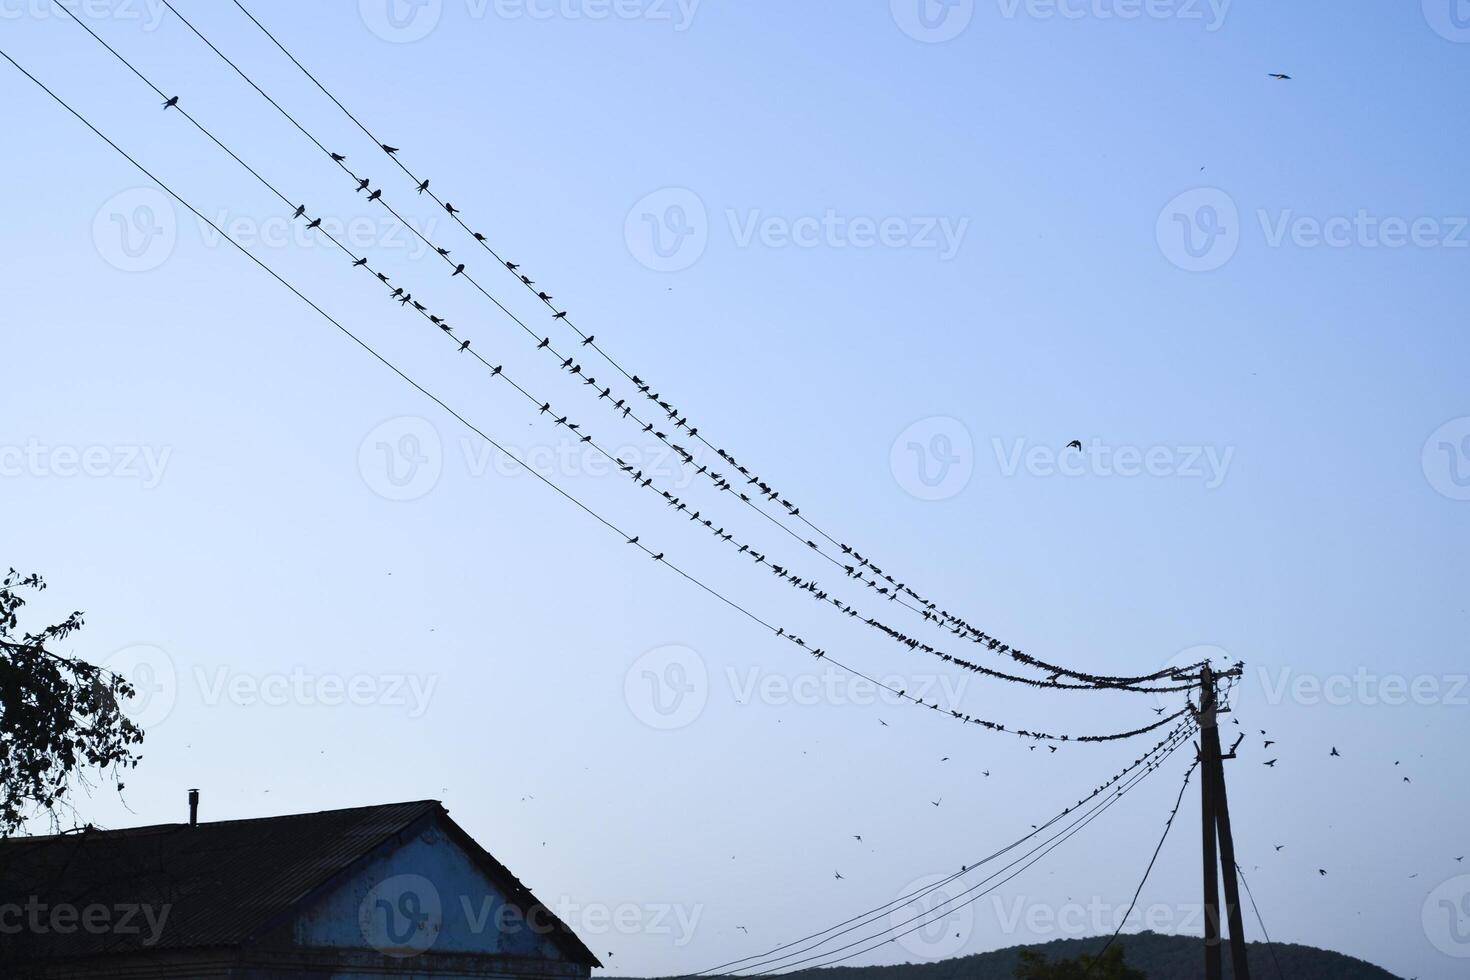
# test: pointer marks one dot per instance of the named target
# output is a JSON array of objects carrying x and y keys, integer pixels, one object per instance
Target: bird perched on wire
[
  {"x": 423, "y": 187},
  {"x": 390, "y": 150},
  {"x": 458, "y": 270},
  {"x": 338, "y": 158},
  {"x": 299, "y": 211},
  {"x": 589, "y": 340},
  {"x": 450, "y": 208},
  {"x": 375, "y": 195},
  {"x": 363, "y": 184},
  {"x": 464, "y": 346},
  {"x": 172, "y": 103}
]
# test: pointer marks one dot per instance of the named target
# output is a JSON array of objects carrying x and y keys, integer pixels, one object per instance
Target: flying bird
[
  {"x": 1322, "y": 872},
  {"x": 1271, "y": 764},
  {"x": 1334, "y": 753},
  {"x": 1075, "y": 444},
  {"x": 1280, "y": 77},
  {"x": 837, "y": 875}
]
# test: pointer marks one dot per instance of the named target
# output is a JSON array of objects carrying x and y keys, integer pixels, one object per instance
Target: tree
[
  {"x": 60, "y": 717},
  {"x": 1108, "y": 966}
]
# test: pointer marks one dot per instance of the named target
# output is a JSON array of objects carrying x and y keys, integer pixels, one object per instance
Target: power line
[
  {"x": 1146, "y": 757},
  {"x": 1261, "y": 922},
  {"x": 1168, "y": 825},
  {"x": 759, "y": 556},
  {"x": 893, "y": 589},
  {"x": 780, "y": 632},
  {"x": 925, "y": 917}
]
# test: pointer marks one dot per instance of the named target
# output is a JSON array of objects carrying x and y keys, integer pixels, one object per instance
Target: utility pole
[{"x": 1215, "y": 822}]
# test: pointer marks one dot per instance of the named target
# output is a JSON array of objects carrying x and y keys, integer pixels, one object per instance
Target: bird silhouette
[
  {"x": 1334, "y": 753},
  {"x": 450, "y": 208},
  {"x": 1322, "y": 872},
  {"x": 838, "y": 875},
  {"x": 361, "y": 261},
  {"x": 171, "y": 103},
  {"x": 390, "y": 150},
  {"x": 1280, "y": 77},
  {"x": 1268, "y": 744},
  {"x": 299, "y": 211},
  {"x": 458, "y": 270},
  {"x": 362, "y": 185},
  {"x": 317, "y": 223},
  {"x": 1271, "y": 764},
  {"x": 423, "y": 187},
  {"x": 511, "y": 266},
  {"x": 936, "y": 802},
  {"x": 1075, "y": 444},
  {"x": 464, "y": 346},
  {"x": 589, "y": 340},
  {"x": 338, "y": 158},
  {"x": 1280, "y": 846},
  {"x": 375, "y": 195}
]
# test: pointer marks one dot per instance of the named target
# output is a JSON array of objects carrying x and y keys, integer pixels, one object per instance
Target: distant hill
[{"x": 1159, "y": 957}]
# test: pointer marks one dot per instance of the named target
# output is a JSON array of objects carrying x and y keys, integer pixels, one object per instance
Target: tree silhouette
[{"x": 60, "y": 716}]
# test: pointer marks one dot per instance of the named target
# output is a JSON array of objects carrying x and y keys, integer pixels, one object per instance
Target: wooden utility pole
[{"x": 1215, "y": 821}]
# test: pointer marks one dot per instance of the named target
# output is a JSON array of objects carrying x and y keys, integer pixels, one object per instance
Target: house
[{"x": 396, "y": 891}]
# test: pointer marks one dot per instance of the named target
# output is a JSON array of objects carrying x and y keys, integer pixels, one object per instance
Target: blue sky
[{"x": 831, "y": 235}]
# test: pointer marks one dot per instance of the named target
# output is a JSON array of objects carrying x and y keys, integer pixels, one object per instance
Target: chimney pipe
[{"x": 193, "y": 808}]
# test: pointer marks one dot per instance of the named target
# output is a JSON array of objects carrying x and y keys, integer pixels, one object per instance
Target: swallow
[
  {"x": 1075, "y": 444},
  {"x": 361, "y": 261},
  {"x": 560, "y": 316},
  {"x": 1271, "y": 764},
  {"x": 511, "y": 266},
  {"x": 838, "y": 875},
  {"x": 423, "y": 187},
  {"x": 362, "y": 185},
  {"x": 172, "y": 103},
  {"x": 659, "y": 556},
  {"x": 1280, "y": 77},
  {"x": 458, "y": 270},
  {"x": 390, "y": 150},
  {"x": 464, "y": 346},
  {"x": 299, "y": 211},
  {"x": 545, "y": 342},
  {"x": 450, "y": 208},
  {"x": 545, "y": 297},
  {"x": 317, "y": 223},
  {"x": 375, "y": 195},
  {"x": 589, "y": 340}
]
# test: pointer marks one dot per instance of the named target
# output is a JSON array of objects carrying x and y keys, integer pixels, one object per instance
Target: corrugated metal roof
[{"x": 223, "y": 882}]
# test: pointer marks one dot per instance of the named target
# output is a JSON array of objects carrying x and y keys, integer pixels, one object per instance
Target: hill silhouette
[{"x": 1159, "y": 957}]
